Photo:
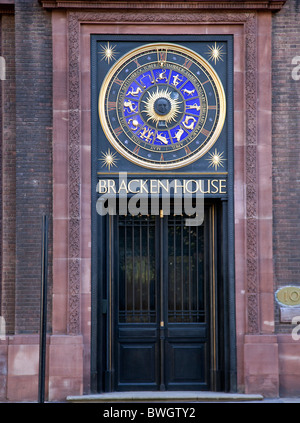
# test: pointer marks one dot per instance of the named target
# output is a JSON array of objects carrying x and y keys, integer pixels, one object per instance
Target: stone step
[{"x": 193, "y": 396}]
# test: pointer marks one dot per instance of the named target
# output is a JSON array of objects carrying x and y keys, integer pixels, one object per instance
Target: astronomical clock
[{"x": 162, "y": 106}]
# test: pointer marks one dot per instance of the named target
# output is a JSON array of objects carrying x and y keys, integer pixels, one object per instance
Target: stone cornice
[
  {"x": 6, "y": 6},
  {"x": 166, "y": 5}
]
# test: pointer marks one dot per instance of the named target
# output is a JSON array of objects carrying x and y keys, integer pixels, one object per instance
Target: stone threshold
[{"x": 191, "y": 396}]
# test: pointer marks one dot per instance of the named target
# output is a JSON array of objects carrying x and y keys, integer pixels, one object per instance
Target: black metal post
[{"x": 43, "y": 310}]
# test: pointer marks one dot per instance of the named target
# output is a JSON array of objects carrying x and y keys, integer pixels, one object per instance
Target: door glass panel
[
  {"x": 185, "y": 272},
  {"x": 137, "y": 278}
]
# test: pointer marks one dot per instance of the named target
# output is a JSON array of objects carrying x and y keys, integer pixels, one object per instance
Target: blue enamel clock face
[{"x": 162, "y": 106}]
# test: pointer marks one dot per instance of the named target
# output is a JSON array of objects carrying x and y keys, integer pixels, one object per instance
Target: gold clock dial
[{"x": 162, "y": 106}]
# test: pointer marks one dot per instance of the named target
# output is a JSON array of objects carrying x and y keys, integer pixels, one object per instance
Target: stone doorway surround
[{"x": 250, "y": 24}]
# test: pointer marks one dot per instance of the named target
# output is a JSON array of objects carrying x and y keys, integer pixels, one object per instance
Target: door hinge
[{"x": 161, "y": 213}]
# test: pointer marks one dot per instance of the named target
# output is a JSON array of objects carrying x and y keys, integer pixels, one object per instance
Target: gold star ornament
[
  {"x": 215, "y": 53},
  {"x": 108, "y": 52},
  {"x": 216, "y": 159},
  {"x": 109, "y": 159}
]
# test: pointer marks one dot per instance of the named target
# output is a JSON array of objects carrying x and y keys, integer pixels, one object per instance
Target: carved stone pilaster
[
  {"x": 251, "y": 174},
  {"x": 74, "y": 178}
]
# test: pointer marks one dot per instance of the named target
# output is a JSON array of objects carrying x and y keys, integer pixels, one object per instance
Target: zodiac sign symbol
[
  {"x": 194, "y": 106},
  {"x": 152, "y": 81},
  {"x": 162, "y": 76},
  {"x": 176, "y": 80},
  {"x": 148, "y": 132},
  {"x": 134, "y": 124},
  {"x": 134, "y": 93},
  {"x": 162, "y": 138},
  {"x": 186, "y": 121},
  {"x": 128, "y": 104},
  {"x": 188, "y": 92},
  {"x": 178, "y": 134}
]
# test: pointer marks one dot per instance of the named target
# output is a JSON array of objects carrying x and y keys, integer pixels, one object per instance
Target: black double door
[{"x": 161, "y": 318}]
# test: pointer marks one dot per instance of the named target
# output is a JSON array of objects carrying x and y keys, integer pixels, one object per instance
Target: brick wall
[
  {"x": 8, "y": 174},
  {"x": 33, "y": 154},
  {"x": 286, "y": 149}
]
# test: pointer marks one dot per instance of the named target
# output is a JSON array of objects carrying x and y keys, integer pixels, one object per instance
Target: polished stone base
[{"x": 193, "y": 396}]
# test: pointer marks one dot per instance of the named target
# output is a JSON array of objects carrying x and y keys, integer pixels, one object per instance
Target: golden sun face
[{"x": 160, "y": 106}]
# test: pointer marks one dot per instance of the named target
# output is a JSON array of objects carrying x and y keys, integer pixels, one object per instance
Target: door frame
[
  {"x": 222, "y": 336},
  {"x": 163, "y": 339}
]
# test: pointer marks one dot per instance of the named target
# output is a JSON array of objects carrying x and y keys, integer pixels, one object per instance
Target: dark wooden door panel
[
  {"x": 186, "y": 366},
  {"x": 138, "y": 366}
]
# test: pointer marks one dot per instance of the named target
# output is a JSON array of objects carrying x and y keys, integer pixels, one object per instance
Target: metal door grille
[
  {"x": 137, "y": 278},
  {"x": 138, "y": 250},
  {"x": 185, "y": 272}
]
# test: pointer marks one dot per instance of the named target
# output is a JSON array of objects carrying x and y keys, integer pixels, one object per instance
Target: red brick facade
[
  {"x": 45, "y": 149},
  {"x": 33, "y": 154},
  {"x": 8, "y": 264},
  {"x": 26, "y": 159}
]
